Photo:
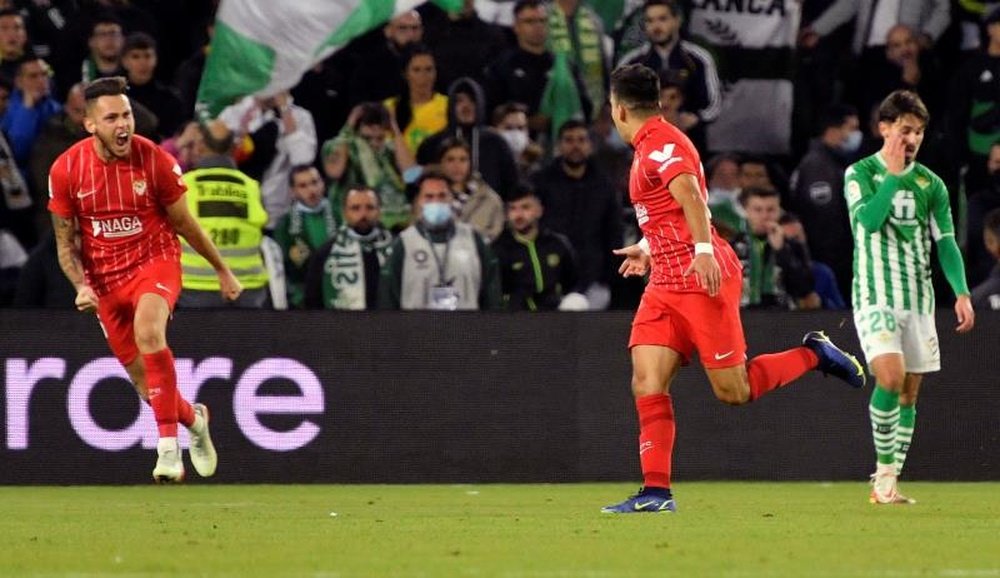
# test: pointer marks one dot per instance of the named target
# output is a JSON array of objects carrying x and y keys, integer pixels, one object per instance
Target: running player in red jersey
[
  {"x": 692, "y": 301},
  {"x": 117, "y": 204}
]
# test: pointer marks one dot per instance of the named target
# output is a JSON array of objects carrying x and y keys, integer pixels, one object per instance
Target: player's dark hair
[
  {"x": 297, "y": 169},
  {"x": 108, "y": 86},
  {"x": 571, "y": 124},
  {"x": 522, "y": 190},
  {"x": 522, "y": 5},
  {"x": 139, "y": 41},
  {"x": 835, "y": 116},
  {"x": 900, "y": 102},
  {"x": 671, "y": 5},
  {"x": 636, "y": 87},
  {"x": 991, "y": 222}
]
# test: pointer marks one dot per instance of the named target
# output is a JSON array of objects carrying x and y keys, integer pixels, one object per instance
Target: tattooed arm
[{"x": 68, "y": 247}]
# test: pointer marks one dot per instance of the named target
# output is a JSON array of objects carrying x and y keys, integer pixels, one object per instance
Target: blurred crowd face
[
  {"x": 432, "y": 191},
  {"x": 361, "y": 210},
  {"x": 671, "y": 100},
  {"x": 75, "y": 107},
  {"x": 456, "y": 164},
  {"x": 513, "y": 127},
  {"x": 523, "y": 214},
  {"x": 726, "y": 176},
  {"x": 901, "y": 45},
  {"x": 575, "y": 147},
  {"x": 754, "y": 174},
  {"x": 106, "y": 41},
  {"x": 762, "y": 213},
  {"x": 307, "y": 187},
  {"x": 993, "y": 161},
  {"x": 374, "y": 135},
  {"x": 661, "y": 25},
  {"x": 140, "y": 63},
  {"x": 465, "y": 109},
  {"x": 33, "y": 78},
  {"x": 13, "y": 36},
  {"x": 910, "y": 128},
  {"x": 531, "y": 27},
  {"x": 420, "y": 74},
  {"x": 405, "y": 29}
]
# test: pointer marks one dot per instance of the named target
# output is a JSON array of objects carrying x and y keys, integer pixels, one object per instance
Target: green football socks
[
  {"x": 884, "y": 412},
  {"x": 904, "y": 434}
]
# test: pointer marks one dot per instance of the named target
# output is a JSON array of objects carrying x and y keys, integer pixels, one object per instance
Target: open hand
[{"x": 636, "y": 263}]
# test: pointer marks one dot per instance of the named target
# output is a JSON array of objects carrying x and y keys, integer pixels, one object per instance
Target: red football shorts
[
  {"x": 685, "y": 321},
  {"x": 116, "y": 310}
]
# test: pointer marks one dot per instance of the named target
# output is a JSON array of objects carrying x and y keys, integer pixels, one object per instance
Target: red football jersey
[
  {"x": 663, "y": 152},
  {"x": 120, "y": 207}
]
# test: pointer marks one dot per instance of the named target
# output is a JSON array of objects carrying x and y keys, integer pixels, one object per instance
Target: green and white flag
[{"x": 265, "y": 46}]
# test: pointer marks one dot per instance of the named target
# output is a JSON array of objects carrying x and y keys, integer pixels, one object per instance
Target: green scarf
[
  {"x": 368, "y": 168},
  {"x": 585, "y": 49},
  {"x": 344, "y": 268},
  {"x": 761, "y": 270}
]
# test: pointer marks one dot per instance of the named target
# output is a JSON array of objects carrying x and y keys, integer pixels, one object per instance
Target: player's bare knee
[
  {"x": 891, "y": 380},
  {"x": 645, "y": 384},
  {"x": 736, "y": 395},
  {"x": 149, "y": 339}
]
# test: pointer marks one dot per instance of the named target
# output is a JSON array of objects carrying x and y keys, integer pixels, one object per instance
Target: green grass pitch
[{"x": 722, "y": 529}]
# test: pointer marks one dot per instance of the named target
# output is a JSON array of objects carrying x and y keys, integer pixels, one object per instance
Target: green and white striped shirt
[{"x": 892, "y": 262}]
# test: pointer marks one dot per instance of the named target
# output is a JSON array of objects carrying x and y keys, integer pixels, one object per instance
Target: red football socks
[
  {"x": 161, "y": 380},
  {"x": 185, "y": 413},
  {"x": 771, "y": 371},
  {"x": 656, "y": 438}
]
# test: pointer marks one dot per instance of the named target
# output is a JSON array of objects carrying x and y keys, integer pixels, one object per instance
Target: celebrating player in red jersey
[
  {"x": 693, "y": 297},
  {"x": 117, "y": 204}
]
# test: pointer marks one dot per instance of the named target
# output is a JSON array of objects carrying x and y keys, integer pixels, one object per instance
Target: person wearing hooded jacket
[{"x": 489, "y": 153}]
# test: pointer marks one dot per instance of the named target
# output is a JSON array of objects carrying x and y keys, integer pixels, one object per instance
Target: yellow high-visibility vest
[{"x": 226, "y": 203}]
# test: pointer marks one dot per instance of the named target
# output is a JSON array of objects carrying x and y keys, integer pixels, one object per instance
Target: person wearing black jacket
[
  {"x": 489, "y": 154},
  {"x": 580, "y": 203},
  {"x": 537, "y": 266}
]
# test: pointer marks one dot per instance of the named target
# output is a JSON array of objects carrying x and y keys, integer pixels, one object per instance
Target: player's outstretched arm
[
  {"x": 68, "y": 248},
  {"x": 184, "y": 224},
  {"x": 686, "y": 191},
  {"x": 636, "y": 263}
]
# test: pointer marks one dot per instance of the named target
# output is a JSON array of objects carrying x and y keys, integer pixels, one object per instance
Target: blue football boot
[
  {"x": 643, "y": 502},
  {"x": 834, "y": 360}
]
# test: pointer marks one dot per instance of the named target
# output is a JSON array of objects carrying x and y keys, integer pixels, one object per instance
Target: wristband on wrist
[
  {"x": 703, "y": 249},
  {"x": 644, "y": 245}
]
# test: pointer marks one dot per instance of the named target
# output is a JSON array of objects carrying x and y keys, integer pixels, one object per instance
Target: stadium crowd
[{"x": 468, "y": 160}]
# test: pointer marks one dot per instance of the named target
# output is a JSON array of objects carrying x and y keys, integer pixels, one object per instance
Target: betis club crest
[{"x": 139, "y": 187}]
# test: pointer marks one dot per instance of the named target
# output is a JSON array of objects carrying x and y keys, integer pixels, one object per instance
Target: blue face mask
[
  {"x": 853, "y": 142},
  {"x": 436, "y": 214}
]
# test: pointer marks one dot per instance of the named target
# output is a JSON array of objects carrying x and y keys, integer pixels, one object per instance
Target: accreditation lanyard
[{"x": 439, "y": 260}]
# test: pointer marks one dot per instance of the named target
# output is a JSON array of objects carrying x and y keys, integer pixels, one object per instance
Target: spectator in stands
[
  {"x": 723, "y": 175},
  {"x": 419, "y": 111},
  {"x": 377, "y": 69},
  {"x": 17, "y": 209},
  {"x": 580, "y": 203},
  {"x": 576, "y": 30},
  {"x": 344, "y": 272},
  {"x": 476, "y": 204},
  {"x": 691, "y": 67},
  {"x": 227, "y": 205},
  {"x": 825, "y": 279},
  {"x": 370, "y": 153},
  {"x": 776, "y": 270},
  {"x": 30, "y": 106},
  {"x": 511, "y": 121},
  {"x": 673, "y": 104},
  {"x": 491, "y": 157},
  {"x": 42, "y": 283},
  {"x": 61, "y": 131},
  {"x": 873, "y": 18},
  {"x": 756, "y": 172},
  {"x": 982, "y": 202},
  {"x": 521, "y": 73},
  {"x": 463, "y": 43},
  {"x": 986, "y": 295},
  {"x": 294, "y": 144},
  {"x": 437, "y": 263},
  {"x": 13, "y": 42},
  {"x": 537, "y": 266},
  {"x": 105, "y": 43},
  {"x": 139, "y": 59},
  {"x": 309, "y": 224},
  {"x": 974, "y": 105},
  {"x": 817, "y": 191},
  {"x": 905, "y": 65}
]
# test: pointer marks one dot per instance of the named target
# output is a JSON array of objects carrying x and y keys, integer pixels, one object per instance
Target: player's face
[
  {"x": 661, "y": 25},
  {"x": 762, "y": 212},
  {"x": 523, "y": 214},
  {"x": 574, "y": 146},
  {"x": 109, "y": 119},
  {"x": 361, "y": 210},
  {"x": 307, "y": 186},
  {"x": 911, "y": 129}
]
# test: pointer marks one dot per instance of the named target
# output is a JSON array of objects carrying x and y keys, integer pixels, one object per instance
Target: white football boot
[
  {"x": 202, "y": 451},
  {"x": 169, "y": 464}
]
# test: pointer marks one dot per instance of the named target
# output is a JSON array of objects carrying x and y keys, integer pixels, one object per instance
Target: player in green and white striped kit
[{"x": 896, "y": 207}]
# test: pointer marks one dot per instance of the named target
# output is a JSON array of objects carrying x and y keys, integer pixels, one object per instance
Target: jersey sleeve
[
  {"x": 669, "y": 161},
  {"x": 856, "y": 188},
  {"x": 60, "y": 199},
  {"x": 941, "y": 222},
  {"x": 168, "y": 179}
]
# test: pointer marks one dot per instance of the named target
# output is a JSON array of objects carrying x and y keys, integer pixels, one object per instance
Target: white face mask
[
  {"x": 517, "y": 140},
  {"x": 852, "y": 143}
]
